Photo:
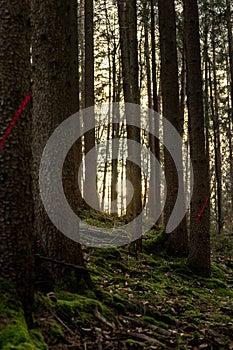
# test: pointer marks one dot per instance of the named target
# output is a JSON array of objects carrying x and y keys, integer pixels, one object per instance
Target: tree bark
[
  {"x": 127, "y": 13},
  {"x": 90, "y": 188},
  {"x": 55, "y": 79},
  {"x": 155, "y": 146},
  {"x": 199, "y": 254},
  {"x": 177, "y": 241},
  {"x": 217, "y": 143},
  {"x": 230, "y": 45},
  {"x": 16, "y": 210}
]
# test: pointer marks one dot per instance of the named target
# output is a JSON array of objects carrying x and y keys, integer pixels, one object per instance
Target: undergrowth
[{"x": 152, "y": 302}]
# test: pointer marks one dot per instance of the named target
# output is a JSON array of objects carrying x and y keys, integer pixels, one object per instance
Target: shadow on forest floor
[{"x": 153, "y": 302}]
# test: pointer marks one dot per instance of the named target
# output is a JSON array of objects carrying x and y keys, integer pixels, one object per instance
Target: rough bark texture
[
  {"x": 178, "y": 240},
  {"x": 127, "y": 13},
  {"x": 54, "y": 53},
  {"x": 16, "y": 210},
  {"x": 199, "y": 255}
]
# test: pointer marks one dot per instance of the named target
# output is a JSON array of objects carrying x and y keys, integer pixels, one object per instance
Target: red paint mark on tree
[
  {"x": 202, "y": 209},
  {"x": 18, "y": 113}
]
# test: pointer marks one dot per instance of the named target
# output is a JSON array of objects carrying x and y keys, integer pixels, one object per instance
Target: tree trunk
[
  {"x": 177, "y": 241},
  {"x": 206, "y": 96},
  {"x": 230, "y": 44},
  {"x": 199, "y": 255},
  {"x": 229, "y": 134},
  {"x": 16, "y": 210},
  {"x": 155, "y": 146},
  {"x": 217, "y": 143},
  {"x": 115, "y": 132},
  {"x": 90, "y": 188},
  {"x": 55, "y": 79},
  {"x": 129, "y": 56}
]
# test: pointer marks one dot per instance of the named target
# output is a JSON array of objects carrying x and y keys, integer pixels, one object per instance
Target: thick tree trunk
[
  {"x": 55, "y": 79},
  {"x": 177, "y": 241},
  {"x": 199, "y": 255},
  {"x": 16, "y": 210}
]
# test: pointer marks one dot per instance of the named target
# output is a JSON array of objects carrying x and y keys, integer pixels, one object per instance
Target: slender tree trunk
[
  {"x": 177, "y": 241},
  {"x": 16, "y": 210},
  {"x": 55, "y": 79},
  {"x": 108, "y": 28},
  {"x": 115, "y": 132},
  {"x": 230, "y": 131},
  {"x": 129, "y": 54},
  {"x": 155, "y": 144},
  {"x": 78, "y": 144},
  {"x": 90, "y": 189},
  {"x": 199, "y": 255},
  {"x": 183, "y": 91},
  {"x": 217, "y": 143},
  {"x": 206, "y": 96},
  {"x": 230, "y": 44}
]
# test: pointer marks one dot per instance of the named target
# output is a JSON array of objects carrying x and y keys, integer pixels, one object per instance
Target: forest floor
[{"x": 152, "y": 302}]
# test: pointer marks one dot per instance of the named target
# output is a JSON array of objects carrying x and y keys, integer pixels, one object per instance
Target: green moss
[
  {"x": 134, "y": 342},
  {"x": 74, "y": 304},
  {"x": 55, "y": 331},
  {"x": 15, "y": 335},
  {"x": 154, "y": 322},
  {"x": 108, "y": 254},
  {"x": 165, "y": 318},
  {"x": 104, "y": 296},
  {"x": 217, "y": 272},
  {"x": 99, "y": 261},
  {"x": 14, "y": 332},
  {"x": 120, "y": 265},
  {"x": 214, "y": 283}
]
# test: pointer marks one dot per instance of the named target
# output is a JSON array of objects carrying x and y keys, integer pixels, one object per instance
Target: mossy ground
[
  {"x": 14, "y": 333},
  {"x": 153, "y": 302}
]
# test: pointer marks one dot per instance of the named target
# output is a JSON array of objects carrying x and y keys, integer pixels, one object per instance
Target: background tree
[
  {"x": 178, "y": 239},
  {"x": 89, "y": 98},
  {"x": 127, "y": 12},
  {"x": 199, "y": 255}
]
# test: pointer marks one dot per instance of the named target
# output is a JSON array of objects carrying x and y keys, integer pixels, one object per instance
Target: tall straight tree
[
  {"x": 199, "y": 254},
  {"x": 127, "y": 13},
  {"x": 16, "y": 210},
  {"x": 155, "y": 146},
  {"x": 89, "y": 101},
  {"x": 217, "y": 137},
  {"x": 55, "y": 81},
  {"x": 230, "y": 45},
  {"x": 177, "y": 241}
]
